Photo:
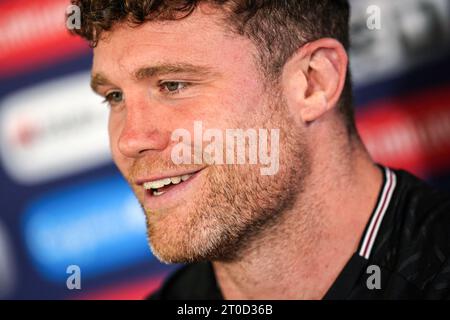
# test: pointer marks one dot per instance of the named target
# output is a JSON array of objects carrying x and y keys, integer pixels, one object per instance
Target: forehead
[{"x": 199, "y": 38}]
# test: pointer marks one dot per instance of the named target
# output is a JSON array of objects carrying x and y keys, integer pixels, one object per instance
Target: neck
[{"x": 301, "y": 257}]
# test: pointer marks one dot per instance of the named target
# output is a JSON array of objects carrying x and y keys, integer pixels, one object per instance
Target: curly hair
[{"x": 276, "y": 27}]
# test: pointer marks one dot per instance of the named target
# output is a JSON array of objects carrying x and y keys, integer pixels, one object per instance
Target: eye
[
  {"x": 114, "y": 97},
  {"x": 173, "y": 87}
]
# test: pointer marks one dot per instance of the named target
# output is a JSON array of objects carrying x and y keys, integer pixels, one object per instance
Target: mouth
[
  {"x": 169, "y": 190},
  {"x": 159, "y": 187}
]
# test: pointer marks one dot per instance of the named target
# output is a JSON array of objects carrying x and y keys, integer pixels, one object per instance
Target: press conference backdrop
[{"x": 62, "y": 201}]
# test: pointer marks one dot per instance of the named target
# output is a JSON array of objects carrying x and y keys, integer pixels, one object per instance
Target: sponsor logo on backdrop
[
  {"x": 97, "y": 226},
  {"x": 389, "y": 37},
  {"x": 53, "y": 130}
]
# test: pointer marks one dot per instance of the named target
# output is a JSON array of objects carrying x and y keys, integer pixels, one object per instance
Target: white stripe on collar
[{"x": 377, "y": 217}]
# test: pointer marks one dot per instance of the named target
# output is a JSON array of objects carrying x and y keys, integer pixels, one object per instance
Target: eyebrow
[
  {"x": 98, "y": 80},
  {"x": 145, "y": 72}
]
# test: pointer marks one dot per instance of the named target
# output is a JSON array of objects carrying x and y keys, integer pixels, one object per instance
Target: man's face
[{"x": 163, "y": 76}]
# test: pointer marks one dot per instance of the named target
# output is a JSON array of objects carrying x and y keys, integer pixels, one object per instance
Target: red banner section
[
  {"x": 411, "y": 132},
  {"x": 34, "y": 35},
  {"x": 131, "y": 290}
]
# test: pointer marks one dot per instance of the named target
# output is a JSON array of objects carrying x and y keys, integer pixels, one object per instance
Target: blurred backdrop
[{"x": 62, "y": 201}]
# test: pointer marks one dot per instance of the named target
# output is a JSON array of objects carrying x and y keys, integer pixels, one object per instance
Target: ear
[{"x": 313, "y": 79}]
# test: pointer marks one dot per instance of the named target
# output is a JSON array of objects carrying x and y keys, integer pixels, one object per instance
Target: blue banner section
[{"x": 98, "y": 226}]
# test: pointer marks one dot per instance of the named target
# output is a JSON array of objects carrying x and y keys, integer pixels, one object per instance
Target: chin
[{"x": 187, "y": 240}]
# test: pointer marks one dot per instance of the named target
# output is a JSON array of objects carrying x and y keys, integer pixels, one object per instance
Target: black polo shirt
[{"x": 403, "y": 253}]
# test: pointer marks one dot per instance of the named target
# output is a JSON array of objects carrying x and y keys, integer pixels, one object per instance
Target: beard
[{"x": 235, "y": 205}]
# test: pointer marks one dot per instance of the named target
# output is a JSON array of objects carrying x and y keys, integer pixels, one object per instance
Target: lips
[
  {"x": 168, "y": 191},
  {"x": 159, "y": 187}
]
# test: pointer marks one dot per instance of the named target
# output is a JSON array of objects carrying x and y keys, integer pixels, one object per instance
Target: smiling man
[{"x": 330, "y": 224}]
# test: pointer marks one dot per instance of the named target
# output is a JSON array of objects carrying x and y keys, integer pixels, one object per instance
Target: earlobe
[{"x": 315, "y": 105}]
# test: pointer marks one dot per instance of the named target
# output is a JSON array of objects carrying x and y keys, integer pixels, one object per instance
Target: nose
[{"x": 142, "y": 132}]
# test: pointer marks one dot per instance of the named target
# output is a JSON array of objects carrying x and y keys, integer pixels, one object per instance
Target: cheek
[
  {"x": 240, "y": 107},
  {"x": 114, "y": 131},
  {"x": 245, "y": 112}
]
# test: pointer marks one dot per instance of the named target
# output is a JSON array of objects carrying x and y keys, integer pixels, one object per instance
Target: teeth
[
  {"x": 154, "y": 184},
  {"x": 175, "y": 180},
  {"x": 164, "y": 182},
  {"x": 186, "y": 176},
  {"x": 156, "y": 193}
]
